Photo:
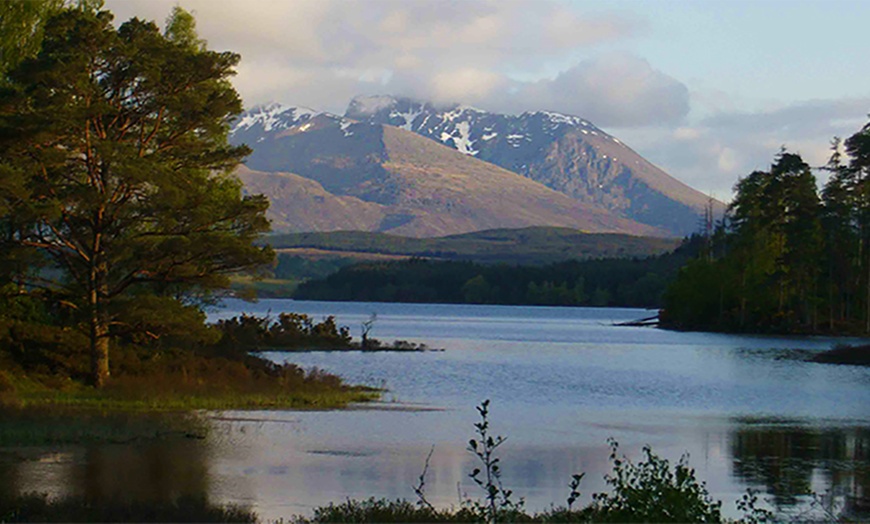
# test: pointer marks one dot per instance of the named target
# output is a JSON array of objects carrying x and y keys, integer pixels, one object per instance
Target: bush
[
  {"x": 650, "y": 491},
  {"x": 290, "y": 331}
]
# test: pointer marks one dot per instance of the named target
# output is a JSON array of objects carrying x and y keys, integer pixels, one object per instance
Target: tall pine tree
[{"x": 115, "y": 171}]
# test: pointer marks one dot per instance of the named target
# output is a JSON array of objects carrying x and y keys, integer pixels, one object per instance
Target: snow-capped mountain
[
  {"x": 324, "y": 172},
  {"x": 566, "y": 153}
]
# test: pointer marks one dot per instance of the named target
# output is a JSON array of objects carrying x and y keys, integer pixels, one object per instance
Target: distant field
[
  {"x": 316, "y": 254},
  {"x": 535, "y": 245}
]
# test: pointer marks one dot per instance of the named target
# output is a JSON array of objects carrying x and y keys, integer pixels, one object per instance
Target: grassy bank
[
  {"x": 196, "y": 384},
  {"x": 44, "y": 366},
  {"x": 265, "y": 287}
]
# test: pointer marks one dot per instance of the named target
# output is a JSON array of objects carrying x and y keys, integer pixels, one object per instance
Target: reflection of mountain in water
[{"x": 792, "y": 461}]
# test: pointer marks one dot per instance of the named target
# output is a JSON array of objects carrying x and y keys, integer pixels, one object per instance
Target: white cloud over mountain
[
  {"x": 510, "y": 53},
  {"x": 508, "y": 56}
]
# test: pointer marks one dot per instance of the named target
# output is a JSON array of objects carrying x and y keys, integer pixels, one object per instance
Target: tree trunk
[
  {"x": 99, "y": 351},
  {"x": 99, "y": 324}
]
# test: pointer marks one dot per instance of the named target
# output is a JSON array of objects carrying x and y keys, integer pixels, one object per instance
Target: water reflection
[
  {"x": 157, "y": 472},
  {"x": 283, "y": 467},
  {"x": 561, "y": 381},
  {"x": 791, "y": 462}
]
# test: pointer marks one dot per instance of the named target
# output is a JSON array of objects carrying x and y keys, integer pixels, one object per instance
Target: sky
[{"x": 708, "y": 90}]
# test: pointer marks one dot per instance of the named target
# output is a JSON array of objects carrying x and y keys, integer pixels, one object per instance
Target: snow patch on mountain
[
  {"x": 345, "y": 124},
  {"x": 407, "y": 117},
  {"x": 273, "y": 116},
  {"x": 560, "y": 118},
  {"x": 463, "y": 144}
]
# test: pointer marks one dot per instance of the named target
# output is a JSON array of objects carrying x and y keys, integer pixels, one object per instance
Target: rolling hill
[{"x": 533, "y": 245}]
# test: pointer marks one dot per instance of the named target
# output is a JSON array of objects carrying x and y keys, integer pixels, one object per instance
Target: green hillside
[{"x": 534, "y": 245}]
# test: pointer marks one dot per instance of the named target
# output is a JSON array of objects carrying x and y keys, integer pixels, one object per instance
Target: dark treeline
[
  {"x": 604, "y": 282},
  {"x": 787, "y": 257}
]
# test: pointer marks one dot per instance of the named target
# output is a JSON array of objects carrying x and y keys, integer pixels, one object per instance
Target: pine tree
[{"x": 115, "y": 170}]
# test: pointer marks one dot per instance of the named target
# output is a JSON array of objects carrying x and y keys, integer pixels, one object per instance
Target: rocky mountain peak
[
  {"x": 564, "y": 152},
  {"x": 568, "y": 154},
  {"x": 273, "y": 116}
]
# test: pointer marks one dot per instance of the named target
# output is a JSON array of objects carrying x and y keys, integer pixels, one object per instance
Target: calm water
[{"x": 749, "y": 411}]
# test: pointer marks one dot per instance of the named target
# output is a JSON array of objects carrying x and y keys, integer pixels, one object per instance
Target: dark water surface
[{"x": 748, "y": 410}]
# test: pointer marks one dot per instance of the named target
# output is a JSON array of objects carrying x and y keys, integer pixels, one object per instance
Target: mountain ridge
[
  {"x": 408, "y": 184},
  {"x": 564, "y": 152}
]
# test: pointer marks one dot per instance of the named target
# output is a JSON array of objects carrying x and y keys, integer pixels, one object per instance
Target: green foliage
[
  {"x": 382, "y": 510},
  {"x": 21, "y": 30},
  {"x": 289, "y": 331},
  {"x": 650, "y": 491},
  {"x": 290, "y": 267},
  {"x": 497, "y": 503},
  {"x": 115, "y": 193},
  {"x": 181, "y": 29},
  {"x": 752, "y": 512}
]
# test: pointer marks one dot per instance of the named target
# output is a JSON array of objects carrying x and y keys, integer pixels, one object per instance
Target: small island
[{"x": 296, "y": 332}]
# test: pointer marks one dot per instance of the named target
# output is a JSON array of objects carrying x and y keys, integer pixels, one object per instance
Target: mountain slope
[
  {"x": 299, "y": 204},
  {"x": 565, "y": 153},
  {"x": 395, "y": 181}
]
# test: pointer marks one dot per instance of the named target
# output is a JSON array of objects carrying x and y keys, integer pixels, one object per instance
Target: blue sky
[
  {"x": 760, "y": 52},
  {"x": 708, "y": 90}
]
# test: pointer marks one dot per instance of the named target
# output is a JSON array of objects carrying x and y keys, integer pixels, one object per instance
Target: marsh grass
[
  {"x": 172, "y": 379},
  {"x": 186, "y": 391}
]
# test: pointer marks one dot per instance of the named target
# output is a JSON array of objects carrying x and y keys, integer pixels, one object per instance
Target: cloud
[
  {"x": 799, "y": 120},
  {"x": 508, "y": 56},
  {"x": 715, "y": 152},
  {"x": 618, "y": 90},
  {"x": 320, "y": 53}
]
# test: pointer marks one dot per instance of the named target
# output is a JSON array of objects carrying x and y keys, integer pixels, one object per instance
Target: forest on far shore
[
  {"x": 627, "y": 282},
  {"x": 788, "y": 257}
]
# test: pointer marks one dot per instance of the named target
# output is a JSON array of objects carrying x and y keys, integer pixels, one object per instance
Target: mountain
[
  {"x": 566, "y": 153},
  {"x": 323, "y": 172}
]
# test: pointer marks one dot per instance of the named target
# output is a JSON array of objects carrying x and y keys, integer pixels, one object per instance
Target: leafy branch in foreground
[{"x": 498, "y": 500}]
